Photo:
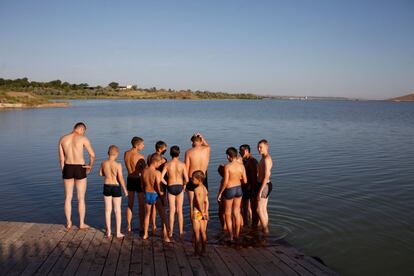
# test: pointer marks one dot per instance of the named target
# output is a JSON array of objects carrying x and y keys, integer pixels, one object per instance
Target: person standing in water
[
  {"x": 74, "y": 170},
  {"x": 132, "y": 158},
  {"x": 231, "y": 192},
  {"x": 264, "y": 185},
  {"x": 176, "y": 181}
]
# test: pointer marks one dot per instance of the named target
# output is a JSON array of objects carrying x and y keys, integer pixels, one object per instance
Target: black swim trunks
[
  {"x": 113, "y": 190},
  {"x": 230, "y": 193},
  {"x": 134, "y": 184},
  {"x": 175, "y": 189},
  {"x": 266, "y": 190},
  {"x": 246, "y": 191},
  {"x": 73, "y": 171},
  {"x": 190, "y": 185}
]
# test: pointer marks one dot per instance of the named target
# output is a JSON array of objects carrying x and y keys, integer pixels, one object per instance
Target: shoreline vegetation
[{"x": 23, "y": 93}]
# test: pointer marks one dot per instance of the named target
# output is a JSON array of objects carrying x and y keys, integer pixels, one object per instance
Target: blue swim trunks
[{"x": 151, "y": 197}]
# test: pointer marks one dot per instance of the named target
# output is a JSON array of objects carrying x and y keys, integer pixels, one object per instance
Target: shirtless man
[
  {"x": 197, "y": 159},
  {"x": 231, "y": 192},
  {"x": 264, "y": 186},
  {"x": 74, "y": 170},
  {"x": 176, "y": 181},
  {"x": 131, "y": 158},
  {"x": 249, "y": 203},
  {"x": 151, "y": 180}
]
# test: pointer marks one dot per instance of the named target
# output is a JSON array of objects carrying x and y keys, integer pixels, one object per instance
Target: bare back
[
  {"x": 197, "y": 158},
  {"x": 234, "y": 174},
  {"x": 110, "y": 170},
  {"x": 131, "y": 158},
  {"x": 151, "y": 180},
  {"x": 264, "y": 169},
  {"x": 176, "y": 172},
  {"x": 200, "y": 199},
  {"x": 72, "y": 146}
]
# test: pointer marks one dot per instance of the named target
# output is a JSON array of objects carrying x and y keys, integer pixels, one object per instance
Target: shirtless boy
[
  {"x": 151, "y": 179},
  {"x": 134, "y": 167},
  {"x": 197, "y": 159},
  {"x": 199, "y": 213},
  {"x": 111, "y": 170},
  {"x": 264, "y": 186},
  {"x": 231, "y": 192},
  {"x": 249, "y": 203},
  {"x": 74, "y": 170},
  {"x": 176, "y": 181}
]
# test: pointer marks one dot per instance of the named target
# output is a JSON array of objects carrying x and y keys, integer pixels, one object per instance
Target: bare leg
[
  {"x": 228, "y": 205},
  {"x": 69, "y": 183},
  {"x": 141, "y": 210},
  {"x": 154, "y": 220},
  {"x": 131, "y": 198},
  {"x": 203, "y": 236},
  {"x": 262, "y": 216},
  {"x": 237, "y": 216},
  {"x": 266, "y": 216},
  {"x": 196, "y": 234},
  {"x": 108, "y": 211},
  {"x": 118, "y": 216},
  {"x": 148, "y": 208},
  {"x": 81, "y": 185},
  {"x": 179, "y": 202},
  {"x": 171, "y": 204},
  {"x": 161, "y": 211}
]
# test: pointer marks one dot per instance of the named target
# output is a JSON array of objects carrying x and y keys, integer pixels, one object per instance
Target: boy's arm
[
  {"x": 101, "y": 170},
  {"x": 121, "y": 179},
  {"x": 244, "y": 176},
  {"x": 187, "y": 164},
  {"x": 185, "y": 172},
  {"x": 197, "y": 197},
  {"x": 91, "y": 153},
  {"x": 158, "y": 183},
  {"x": 206, "y": 206},
  {"x": 61, "y": 156},
  {"x": 225, "y": 182},
  {"x": 164, "y": 171}
]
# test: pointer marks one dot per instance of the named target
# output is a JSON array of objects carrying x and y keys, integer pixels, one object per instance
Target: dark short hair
[
  {"x": 135, "y": 141},
  {"x": 244, "y": 147},
  {"x": 175, "y": 151},
  {"x": 263, "y": 141},
  {"x": 155, "y": 157},
  {"x": 79, "y": 124},
  {"x": 196, "y": 138},
  {"x": 232, "y": 152},
  {"x": 113, "y": 149},
  {"x": 198, "y": 175},
  {"x": 220, "y": 170},
  {"x": 160, "y": 144}
]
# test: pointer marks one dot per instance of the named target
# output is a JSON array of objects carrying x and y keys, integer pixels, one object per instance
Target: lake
[{"x": 343, "y": 171}]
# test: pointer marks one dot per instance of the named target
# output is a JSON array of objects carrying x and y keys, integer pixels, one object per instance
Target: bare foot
[
  {"x": 68, "y": 225},
  {"x": 167, "y": 239},
  {"x": 145, "y": 237},
  {"x": 129, "y": 229},
  {"x": 120, "y": 236},
  {"x": 84, "y": 227},
  {"x": 108, "y": 235}
]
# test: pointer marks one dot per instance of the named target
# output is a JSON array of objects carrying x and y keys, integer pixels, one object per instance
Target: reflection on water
[{"x": 343, "y": 171}]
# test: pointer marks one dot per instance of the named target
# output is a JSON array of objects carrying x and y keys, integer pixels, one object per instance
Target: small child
[
  {"x": 200, "y": 213},
  {"x": 111, "y": 170}
]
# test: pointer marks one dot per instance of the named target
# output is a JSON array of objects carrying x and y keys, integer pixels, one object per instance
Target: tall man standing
[
  {"x": 264, "y": 186},
  {"x": 197, "y": 159},
  {"x": 75, "y": 170}
]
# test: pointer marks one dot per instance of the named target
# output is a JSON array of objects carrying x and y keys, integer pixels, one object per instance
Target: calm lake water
[{"x": 343, "y": 174}]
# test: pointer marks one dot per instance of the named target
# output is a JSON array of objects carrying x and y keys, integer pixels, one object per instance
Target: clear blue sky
[{"x": 361, "y": 49}]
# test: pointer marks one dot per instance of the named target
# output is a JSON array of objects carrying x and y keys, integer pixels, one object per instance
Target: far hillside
[{"x": 405, "y": 98}]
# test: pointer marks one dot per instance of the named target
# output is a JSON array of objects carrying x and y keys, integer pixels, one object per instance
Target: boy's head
[
  {"x": 113, "y": 151},
  {"x": 138, "y": 143},
  {"x": 231, "y": 153},
  {"x": 161, "y": 147},
  {"x": 197, "y": 177},
  {"x": 175, "y": 151},
  {"x": 156, "y": 160},
  {"x": 221, "y": 170},
  {"x": 79, "y": 128},
  {"x": 263, "y": 146},
  {"x": 244, "y": 150},
  {"x": 141, "y": 164},
  {"x": 196, "y": 139}
]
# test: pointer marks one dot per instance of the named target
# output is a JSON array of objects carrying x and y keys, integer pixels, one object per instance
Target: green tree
[{"x": 113, "y": 85}]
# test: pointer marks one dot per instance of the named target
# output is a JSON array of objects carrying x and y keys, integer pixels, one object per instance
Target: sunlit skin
[
  {"x": 71, "y": 152},
  {"x": 131, "y": 158},
  {"x": 263, "y": 176},
  {"x": 200, "y": 226}
]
